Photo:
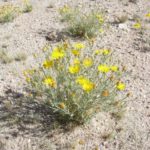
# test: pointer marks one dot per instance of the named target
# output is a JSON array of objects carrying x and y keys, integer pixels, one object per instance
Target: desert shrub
[
  {"x": 27, "y": 6},
  {"x": 77, "y": 81},
  {"x": 21, "y": 56},
  {"x": 4, "y": 57},
  {"x": 8, "y": 13},
  {"x": 82, "y": 23}
]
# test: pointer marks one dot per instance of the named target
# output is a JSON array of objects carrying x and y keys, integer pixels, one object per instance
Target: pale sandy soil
[{"x": 27, "y": 33}]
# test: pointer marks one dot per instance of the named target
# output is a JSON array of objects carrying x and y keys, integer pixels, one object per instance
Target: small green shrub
[
  {"x": 27, "y": 6},
  {"x": 8, "y": 13},
  {"x": 77, "y": 81},
  {"x": 80, "y": 23}
]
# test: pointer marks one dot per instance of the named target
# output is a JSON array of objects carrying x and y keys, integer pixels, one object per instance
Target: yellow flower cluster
[
  {"x": 86, "y": 84},
  {"x": 105, "y": 69},
  {"x": 102, "y": 51},
  {"x": 100, "y": 18}
]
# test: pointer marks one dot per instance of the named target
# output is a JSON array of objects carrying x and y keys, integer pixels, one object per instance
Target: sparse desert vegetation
[
  {"x": 8, "y": 13},
  {"x": 27, "y": 6},
  {"x": 80, "y": 23},
  {"x": 74, "y": 75}
]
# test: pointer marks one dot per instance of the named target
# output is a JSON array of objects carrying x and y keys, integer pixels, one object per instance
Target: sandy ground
[{"x": 27, "y": 34}]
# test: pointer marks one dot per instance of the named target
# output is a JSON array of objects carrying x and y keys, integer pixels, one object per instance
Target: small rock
[
  {"x": 123, "y": 26},
  {"x": 55, "y": 36}
]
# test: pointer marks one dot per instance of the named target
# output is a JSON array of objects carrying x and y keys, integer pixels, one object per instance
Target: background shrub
[
  {"x": 80, "y": 23},
  {"x": 8, "y": 13},
  {"x": 27, "y": 6}
]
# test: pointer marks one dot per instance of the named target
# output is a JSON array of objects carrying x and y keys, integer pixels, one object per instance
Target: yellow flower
[
  {"x": 114, "y": 68},
  {"x": 79, "y": 46},
  {"x": 120, "y": 86},
  {"x": 61, "y": 105},
  {"x": 49, "y": 81},
  {"x": 76, "y": 61},
  {"x": 87, "y": 62},
  {"x": 98, "y": 51},
  {"x": 103, "y": 68},
  {"x": 47, "y": 64},
  {"x": 81, "y": 80},
  {"x": 57, "y": 54},
  {"x": 75, "y": 52},
  {"x": 74, "y": 69},
  {"x": 100, "y": 18},
  {"x": 137, "y": 25},
  {"x": 86, "y": 84},
  {"x": 147, "y": 15},
  {"x": 106, "y": 52}
]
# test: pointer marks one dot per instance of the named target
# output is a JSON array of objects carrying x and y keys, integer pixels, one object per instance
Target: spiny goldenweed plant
[
  {"x": 27, "y": 6},
  {"x": 81, "y": 23},
  {"x": 8, "y": 13},
  {"x": 77, "y": 81}
]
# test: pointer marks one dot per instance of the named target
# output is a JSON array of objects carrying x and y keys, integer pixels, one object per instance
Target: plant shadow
[
  {"x": 55, "y": 35},
  {"x": 22, "y": 116}
]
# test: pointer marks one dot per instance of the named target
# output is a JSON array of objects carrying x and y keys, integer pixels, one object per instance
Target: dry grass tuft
[
  {"x": 8, "y": 13},
  {"x": 4, "y": 57},
  {"x": 27, "y": 6},
  {"x": 21, "y": 57}
]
